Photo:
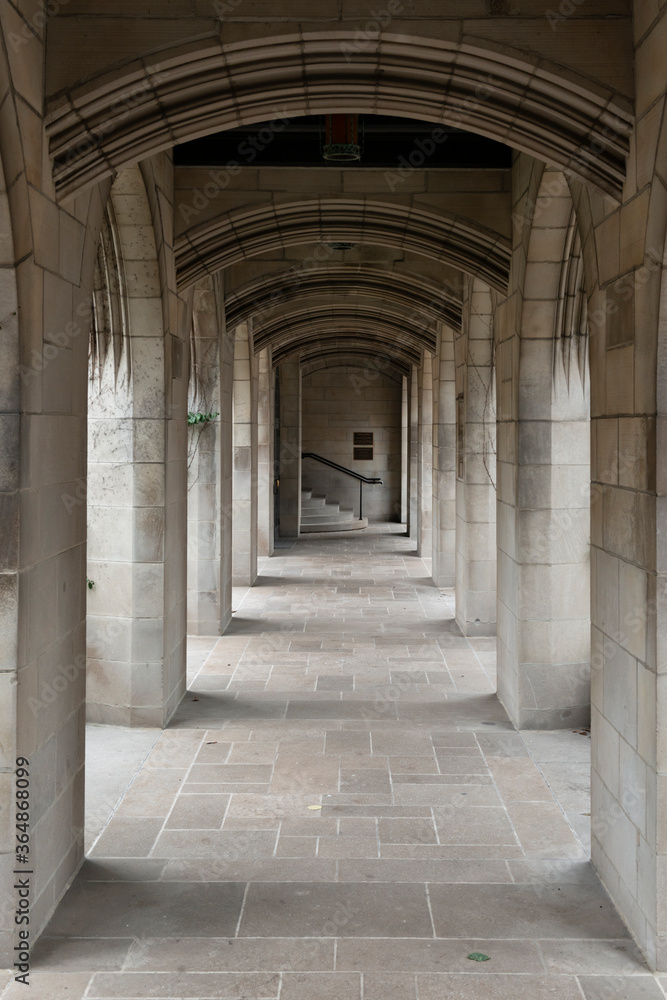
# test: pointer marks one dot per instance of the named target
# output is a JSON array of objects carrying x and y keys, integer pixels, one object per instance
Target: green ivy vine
[{"x": 201, "y": 418}]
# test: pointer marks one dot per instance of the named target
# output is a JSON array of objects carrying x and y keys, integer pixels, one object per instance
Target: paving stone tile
[
  {"x": 348, "y": 742},
  {"x": 121, "y": 870},
  {"x": 362, "y": 826},
  {"x": 127, "y": 838},
  {"x": 610, "y": 956},
  {"x": 77, "y": 954},
  {"x": 296, "y": 847},
  {"x": 214, "y": 752},
  {"x": 304, "y": 774},
  {"x": 198, "y": 812},
  {"x": 380, "y": 986},
  {"x": 335, "y": 710},
  {"x": 542, "y": 911},
  {"x": 501, "y": 745},
  {"x": 543, "y": 831},
  {"x": 252, "y": 870},
  {"x": 418, "y": 870},
  {"x": 473, "y": 825},
  {"x": 576, "y": 872},
  {"x": 327, "y": 910},
  {"x": 215, "y": 844},
  {"x": 194, "y": 954},
  {"x": 348, "y": 847},
  {"x": 186, "y": 985},
  {"x": 357, "y": 762},
  {"x": 312, "y": 825},
  {"x": 154, "y": 909},
  {"x": 453, "y": 738},
  {"x": 497, "y": 987},
  {"x": 50, "y": 986},
  {"x": 334, "y": 682},
  {"x": 519, "y": 780},
  {"x": 620, "y": 988},
  {"x": 371, "y": 781},
  {"x": 377, "y": 809},
  {"x": 407, "y": 831},
  {"x": 324, "y": 986},
  {"x": 401, "y": 742},
  {"x": 410, "y": 955},
  {"x": 206, "y": 773},
  {"x": 413, "y": 765}
]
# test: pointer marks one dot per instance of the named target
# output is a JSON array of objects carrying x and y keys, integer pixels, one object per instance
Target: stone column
[
  {"x": 444, "y": 461},
  {"x": 204, "y": 543},
  {"x": 475, "y": 482},
  {"x": 425, "y": 488},
  {"x": 290, "y": 448},
  {"x": 137, "y": 507},
  {"x": 244, "y": 525},
  {"x": 543, "y": 476},
  {"x": 414, "y": 507},
  {"x": 265, "y": 418},
  {"x": 405, "y": 450},
  {"x": 225, "y": 457}
]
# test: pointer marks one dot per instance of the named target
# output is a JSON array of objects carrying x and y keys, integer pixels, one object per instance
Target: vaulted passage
[
  {"x": 340, "y": 800},
  {"x": 395, "y": 272}
]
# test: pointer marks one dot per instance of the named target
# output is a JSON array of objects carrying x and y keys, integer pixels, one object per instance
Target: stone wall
[{"x": 336, "y": 403}]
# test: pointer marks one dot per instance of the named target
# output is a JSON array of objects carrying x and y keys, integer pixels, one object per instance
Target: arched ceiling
[
  {"x": 203, "y": 86},
  {"x": 311, "y": 340},
  {"x": 368, "y": 362},
  {"x": 256, "y": 229},
  {"x": 276, "y": 294}
]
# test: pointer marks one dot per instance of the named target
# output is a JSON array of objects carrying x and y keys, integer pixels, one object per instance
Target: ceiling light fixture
[{"x": 341, "y": 139}]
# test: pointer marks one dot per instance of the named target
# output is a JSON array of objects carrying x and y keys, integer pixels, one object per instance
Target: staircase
[{"x": 318, "y": 515}]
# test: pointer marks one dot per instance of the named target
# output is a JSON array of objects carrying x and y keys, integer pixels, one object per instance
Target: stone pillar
[
  {"x": 425, "y": 488},
  {"x": 543, "y": 475},
  {"x": 265, "y": 418},
  {"x": 444, "y": 461},
  {"x": 405, "y": 450},
  {"x": 137, "y": 508},
  {"x": 225, "y": 457},
  {"x": 475, "y": 481},
  {"x": 289, "y": 464},
  {"x": 244, "y": 525},
  {"x": 204, "y": 542},
  {"x": 414, "y": 507}
]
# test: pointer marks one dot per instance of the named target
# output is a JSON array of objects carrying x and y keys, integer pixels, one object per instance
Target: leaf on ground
[
  {"x": 477, "y": 956},
  {"x": 314, "y": 807}
]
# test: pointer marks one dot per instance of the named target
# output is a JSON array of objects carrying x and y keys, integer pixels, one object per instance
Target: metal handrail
[
  {"x": 341, "y": 468},
  {"x": 348, "y": 472}
]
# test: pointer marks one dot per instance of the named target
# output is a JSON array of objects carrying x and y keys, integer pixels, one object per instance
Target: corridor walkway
[{"x": 340, "y": 811}]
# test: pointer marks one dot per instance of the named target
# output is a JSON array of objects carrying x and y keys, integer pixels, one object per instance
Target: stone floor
[{"x": 340, "y": 810}]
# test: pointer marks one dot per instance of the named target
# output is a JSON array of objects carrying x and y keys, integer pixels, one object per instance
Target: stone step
[
  {"x": 328, "y": 519},
  {"x": 353, "y": 525},
  {"x": 318, "y": 515}
]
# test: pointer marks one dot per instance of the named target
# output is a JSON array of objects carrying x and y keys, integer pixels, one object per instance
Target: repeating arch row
[
  {"x": 203, "y": 86},
  {"x": 234, "y": 236},
  {"x": 264, "y": 298}
]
